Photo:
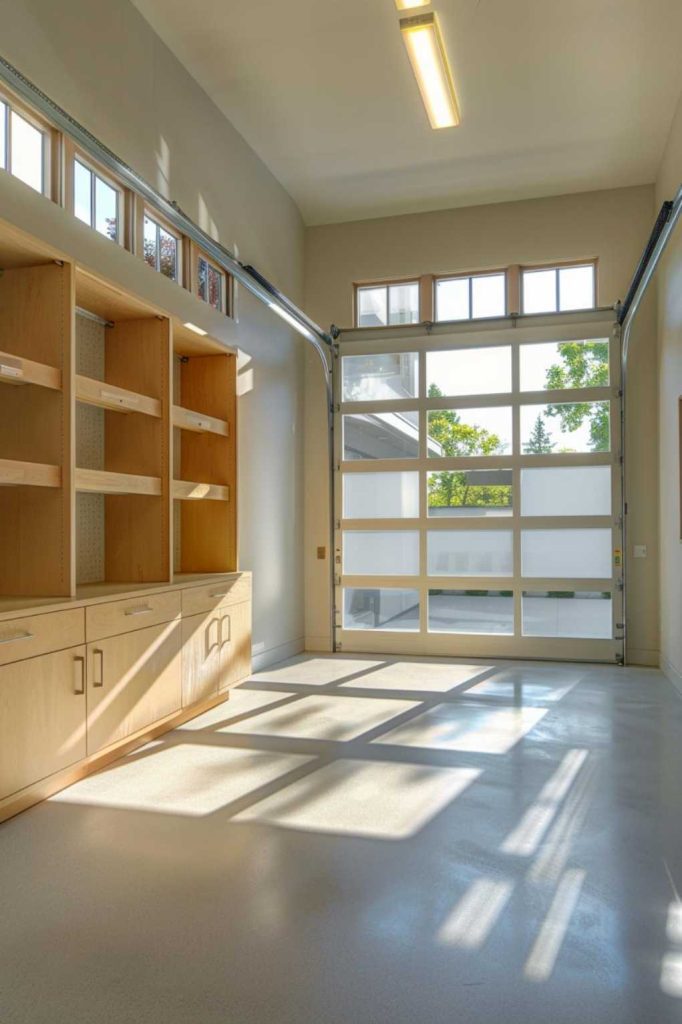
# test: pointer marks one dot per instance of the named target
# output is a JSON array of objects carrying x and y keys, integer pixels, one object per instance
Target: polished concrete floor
[{"x": 363, "y": 840}]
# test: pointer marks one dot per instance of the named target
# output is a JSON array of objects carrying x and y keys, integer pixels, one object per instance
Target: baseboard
[
  {"x": 644, "y": 656},
  {"x": 671, "y": 672},
  {"x": 264, "y": 659}
]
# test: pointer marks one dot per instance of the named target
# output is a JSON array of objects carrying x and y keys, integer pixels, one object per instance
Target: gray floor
[{"x": 366, "y": 841}]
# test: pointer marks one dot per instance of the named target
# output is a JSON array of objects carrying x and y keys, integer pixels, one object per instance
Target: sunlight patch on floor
[
  {"x": 465, "y": 727},
  {"x": 420, "y": 676},
  {"x": 310, "y": 671},
  {"x": 526, "y": 837},
  {"x": 241, "y": 702},
  {"x": 475, "y": 915},
  {"x": 547, "y": 946}
]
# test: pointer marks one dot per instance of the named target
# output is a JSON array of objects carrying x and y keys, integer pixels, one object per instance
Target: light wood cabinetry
[
  {"x": 114, "y": 617},
  {"x": 216, "y": 650},
  {"x": 235, "y": 643}
]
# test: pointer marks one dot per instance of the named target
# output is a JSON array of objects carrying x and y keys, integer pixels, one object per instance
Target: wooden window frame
[
  {"x": 424, "y": 285},
  {"x": 51, "y": 176},
  {"x": 149, "y": 212},
  {"x": 592, "y": 261},
  {"x": 470, "y": 275},
  {"x": 195, "y": 254},
  {"x": 72, "y": 154}
]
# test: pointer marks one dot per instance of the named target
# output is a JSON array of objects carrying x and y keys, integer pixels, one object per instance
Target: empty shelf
[
  {"x": 108, "y": 396},
  {"x": 17, "y": 370},
  {"x": 29, "y": 474},
  {"x": 103, "y": 482},
  {"x": 186, "y": 490},
  {"x": 199, "y": 422}
]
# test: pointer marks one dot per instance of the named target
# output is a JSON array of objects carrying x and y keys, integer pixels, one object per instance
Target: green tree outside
[
  {"x": 540, "y": 442},
  {"x": 583, "y": 365}
]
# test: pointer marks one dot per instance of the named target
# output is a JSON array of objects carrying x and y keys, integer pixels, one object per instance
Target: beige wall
[
  {"x": 611, "y": 225},
  {"x": 669, "y": 286},
  {"x": 102, "y": 62}
]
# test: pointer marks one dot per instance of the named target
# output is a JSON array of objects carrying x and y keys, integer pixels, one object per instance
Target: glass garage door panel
[
  {"x": 457, "y": 432},
  {"x": 470, "y": 552},
  {"x": 387, "y": 435},
  {"x": 471, "y": 611},
  {"x": 388, "y": 608},
  {"x": 469, "y": 371},
  {"x": 376, "y": 553},
  {"x": 567, "y": 554},
  {"x": 469, "y": 493},
  {"x": 566, "y": 491},
  {"x": 379, "y": 377},
  {"x": 381, "y": 495},
  {"x": 556, "y": 365},
  {"x": 565, "y": 428},
  {"x": 578, "y": 614}
]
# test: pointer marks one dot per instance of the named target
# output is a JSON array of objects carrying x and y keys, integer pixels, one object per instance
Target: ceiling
[{"x": 556, "y": 96}]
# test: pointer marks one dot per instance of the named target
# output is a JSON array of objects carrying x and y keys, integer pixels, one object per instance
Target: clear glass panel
[
  {"x": 377, "y": 553},
  {"x": 202, "y": 279},
  {"x": 3, "y": 135},
  {"x": 106, "y": 209},
  {"x": 566, "y": 491},
  {"x": 567, "y": 613},
  {"x": 381, "y": 495},
  {"x": 372, "y": 310},
  {"x": 566, "y": 554},
  {"x": 565, "y": 364},
  {"x": 381, "y": 435},
  {"x": 455, "y": 432},
  {"x": 371, "y": 608},
  {"x": 539, "y": 291},
  {"x": 469, "y": 371},
  {"x": 452, "y": 299},
  {"x": 471, "y": 611},
  {"x": 576, "y": 288},
  {"x": 151, "y": 251},
  {"x": 488, "y": 295},
  {"x": 375, "y": 377},
  {"x": 27, "y": 152},
  {"x": 469, "y": 553},
  {"x": 403, "y": 304},
  {"x": 465, "y": 492},
  {"x": 168, "y": 254},
  {"x": 82, "y": 192},
  {"x": 565, "y": 427},
  {"x": 215, "y": 288}
]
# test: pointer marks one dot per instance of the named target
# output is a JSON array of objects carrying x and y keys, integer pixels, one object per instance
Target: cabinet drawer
[
  {"x": 216, "y": 595},
  {"x": 116, "y": 617},
  {"x": 38, "y": 634}
]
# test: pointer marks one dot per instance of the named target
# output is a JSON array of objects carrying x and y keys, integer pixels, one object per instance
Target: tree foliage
[
  {"x": 584, "y": 364},
  {"x": 540, "y": 441}
]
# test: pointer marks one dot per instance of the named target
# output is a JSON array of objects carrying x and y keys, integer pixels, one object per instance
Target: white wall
[
  {"x": 669, "y": 282},
  {"x": 102, "y": 62}
]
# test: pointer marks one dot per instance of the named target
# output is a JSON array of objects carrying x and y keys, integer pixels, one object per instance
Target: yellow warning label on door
[{"x": 617, "y": 556}]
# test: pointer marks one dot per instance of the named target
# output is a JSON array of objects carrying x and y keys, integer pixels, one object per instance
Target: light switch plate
[{"x": 639, "y": 551}]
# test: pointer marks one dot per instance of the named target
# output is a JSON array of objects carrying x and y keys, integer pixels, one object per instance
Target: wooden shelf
[
  {"x": 17, "y": 370},
  {"x": 29, "y": 474},
  {"x": 108, "y": 396},
  {"x": 187, "y": 490},
  {"x": 103, "y": 482},
  {"x": 199, "y": 422}
]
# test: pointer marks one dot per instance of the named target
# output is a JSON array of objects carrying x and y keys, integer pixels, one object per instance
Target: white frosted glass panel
[
  {"x": 379, "y": 435},
  {"x": 564, "y": 364},
  {"x": 469, "y": 552},
  {"x": 566, "y": 491},
  {"x": 452, "y": 299},
  {"x": 27, "y": 152},
  {"x": 539, "y": 291},
  {"x": 565, "y": 427},
  {"x": 82, "y": 192},
  {"x": 375, "y": 553},
  {"x": 392, "y": 609},
  {"x": 378, "y": 377},
  {"x": 465, "y": 611},
  {"x": 488, "y": 296},
  {"x": 469, "y": 371},
  {"x": 380, "y": 495},
  {"x": 568, "y": 614},
  {"x": 469, "y": 492},
  {"x": 372, "y": 303},
  {"x": 567, "y": 554},
  {"x": 403, "y": 304},
  {"x": 3, "y": 135},
  {"x": 576, "y": 288},
  {"x": 456, "y": 432}
]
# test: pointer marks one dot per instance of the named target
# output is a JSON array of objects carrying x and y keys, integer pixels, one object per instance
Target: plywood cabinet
[
  {"x": 133, "y": 680},
  {"x": 201, "y": 660},
  {"x": 235, "y": 643},
  {"x": 42, "y": 717}
]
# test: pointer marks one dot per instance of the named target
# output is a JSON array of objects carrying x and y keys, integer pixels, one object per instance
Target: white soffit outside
[{"x": 556, "y": 96}]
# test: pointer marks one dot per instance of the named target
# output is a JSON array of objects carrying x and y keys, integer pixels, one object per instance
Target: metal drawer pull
[
  {"x": 98, "y": 667},
  {"x": 226, "y": 639},
  {"x": 219, "y": 593},
  {"x": 142, "y": 609},
  {"x": 78, "y": 675},
  {"x": 22, "y": 635}
]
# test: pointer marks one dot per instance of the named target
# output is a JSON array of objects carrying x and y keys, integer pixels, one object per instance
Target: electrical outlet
[{"x": 639, "y": 551}]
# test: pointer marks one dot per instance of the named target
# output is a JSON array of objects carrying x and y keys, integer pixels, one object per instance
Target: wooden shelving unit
[
  {"x": 18, "y": 371},
  {"x": 186, "y": 490},
  {"x": 107, "y": 396},
  {"x": 97, "y": 481},
  {"x": 14, "y": 473},
  {"x": 200, "y": 423}
]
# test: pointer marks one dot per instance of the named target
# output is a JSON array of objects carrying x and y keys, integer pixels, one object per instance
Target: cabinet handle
[
  {"x": 225, "y": 640},
  {"x": 219, "y": 593},
  {"x": 20, "y": 635},
  {"x": 98, "y": 667},
  {"x": 78, "y": 674},
  {"x": 142, "y": 609}
]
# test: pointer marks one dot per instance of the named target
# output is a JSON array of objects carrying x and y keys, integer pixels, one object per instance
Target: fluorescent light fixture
[
  {"x": 407, "y": 5},
  {"x": 193, "y": 327},
  {"x": 291, "y": 319},
  {"x": 429, "y": 61}
]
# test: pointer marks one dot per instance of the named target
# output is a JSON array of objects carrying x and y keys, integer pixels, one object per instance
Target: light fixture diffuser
[
  {"x": 407, "y": 5},
  {"x": 193, "y": 327},
  {"x": 429, "y": 61}
]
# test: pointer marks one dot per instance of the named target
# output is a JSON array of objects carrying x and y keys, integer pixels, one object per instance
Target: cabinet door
[
  {"x": 235, "y": 644},
  {"x": 200, "y": 657},
  {"x": 42, "y": 717},
  {"x": 133, "y": 681}
]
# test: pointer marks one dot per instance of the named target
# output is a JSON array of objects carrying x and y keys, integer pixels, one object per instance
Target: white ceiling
[{"x": 556, "y": 96}]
